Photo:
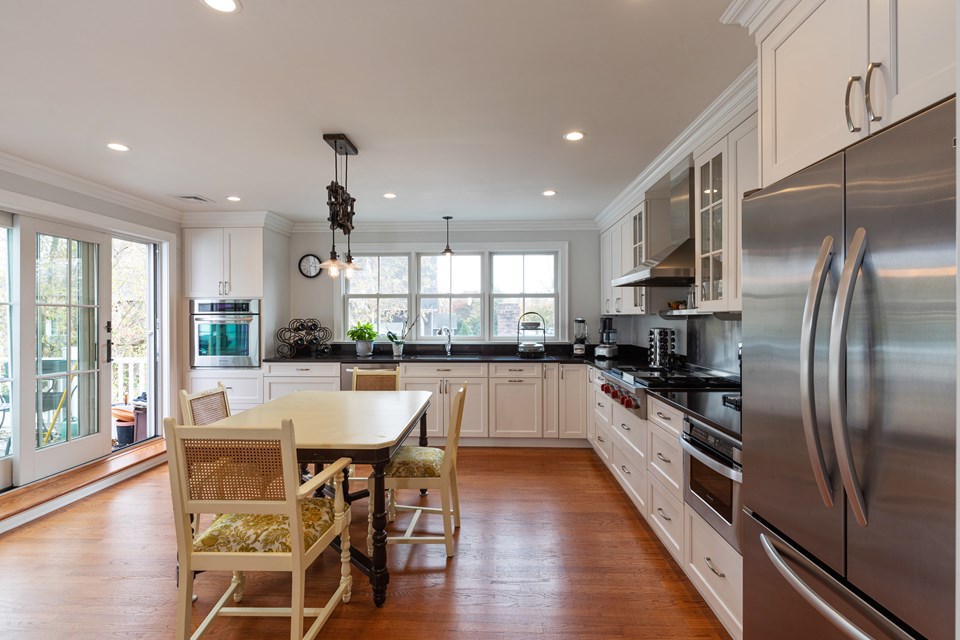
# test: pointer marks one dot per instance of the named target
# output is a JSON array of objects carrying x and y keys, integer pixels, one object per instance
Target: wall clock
[{"x": 310, "y": 265}]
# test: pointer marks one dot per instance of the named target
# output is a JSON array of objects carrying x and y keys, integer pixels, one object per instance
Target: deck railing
[{"x": 130, "y": 377}]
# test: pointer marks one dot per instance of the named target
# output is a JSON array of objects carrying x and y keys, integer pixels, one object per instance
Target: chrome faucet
[{"x": 445, "y": 331}]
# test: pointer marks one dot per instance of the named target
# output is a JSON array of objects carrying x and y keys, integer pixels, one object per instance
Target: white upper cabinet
[
  {"x": 223, "y": 263},
  {"x": 835, "y": 71},
  {"x": 606, "y": 291},
  {"x": 723, "y": 172}
]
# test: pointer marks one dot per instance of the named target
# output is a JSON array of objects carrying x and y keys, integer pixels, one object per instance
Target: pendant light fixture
[
  {"x": 341, "y": 205},
  {"x": 447, "y": 251}
]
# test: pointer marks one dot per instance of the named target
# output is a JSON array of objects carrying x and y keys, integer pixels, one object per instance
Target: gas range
[{"x": 670, "y": 379}]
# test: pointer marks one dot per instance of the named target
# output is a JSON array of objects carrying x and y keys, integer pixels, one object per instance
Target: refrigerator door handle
[
  {"x": 774, "y": 547},
  {"x": 808, "y": 335},
  {"x": 837, "y": 375}
]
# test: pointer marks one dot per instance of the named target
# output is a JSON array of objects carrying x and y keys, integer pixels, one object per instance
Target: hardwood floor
[{"x": 549, "y": 547}]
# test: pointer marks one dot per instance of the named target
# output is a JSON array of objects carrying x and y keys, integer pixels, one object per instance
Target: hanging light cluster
[{"x": 341, "y": 205}]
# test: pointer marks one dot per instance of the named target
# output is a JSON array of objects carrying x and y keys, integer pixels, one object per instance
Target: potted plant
[
  {"x": 363, "y": 334},
  {"x": 398, "y": 341}
]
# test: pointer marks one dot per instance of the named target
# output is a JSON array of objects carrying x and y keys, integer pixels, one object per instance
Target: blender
[{"x": 580, "y": 333}]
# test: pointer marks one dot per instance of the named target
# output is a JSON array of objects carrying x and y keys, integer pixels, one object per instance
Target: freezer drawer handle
[
  {"x": 774, "y": 547},
  {"x": 837, "y": 375},
  {"x": 809, "y": 594},
  {"x": 719, "y": 574},
  {"x": 808, "y": 336}
]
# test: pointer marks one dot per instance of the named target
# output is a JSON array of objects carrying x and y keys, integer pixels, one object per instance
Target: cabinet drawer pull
[
  {"x": 517, "y": 370},
  {"x": 663, "y": 515},
  {"x": 443, "y": 369},
  {"x": 873, "y": 117},
  {"x": 660, "y": 455},
  {"x": 625, "y": 470},
  {"x": 303, "y": 368},
  {"x": 600, "y": 404},
  {"x": 514, "y": 380},
  {"x": 624, "y": 426},
  {"x": 663, "y": 416},
  {"x": 720, "y": 574},
  {"x": 228, "y": 387},
  {"x": 846, "y": 104},
  {"x": 600, "y": 438}
]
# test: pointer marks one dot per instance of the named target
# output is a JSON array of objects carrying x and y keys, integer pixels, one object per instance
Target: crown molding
[
  {"x": 755, "y": 15},
  {"x": 265, "y": 219},
  {"x": 34, "y": 171},
  {"x": 740, "y": 95},
  {"x": 456, "y": 227}
]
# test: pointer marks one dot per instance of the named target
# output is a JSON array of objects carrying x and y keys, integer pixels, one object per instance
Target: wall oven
[
  {"x": 713, "y": 476},
  {"x": 225, "y": 333}
]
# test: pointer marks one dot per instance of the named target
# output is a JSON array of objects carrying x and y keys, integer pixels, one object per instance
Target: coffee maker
[{"x": 608, "y": 340}]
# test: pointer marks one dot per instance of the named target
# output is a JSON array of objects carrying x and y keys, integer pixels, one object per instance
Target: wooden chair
[
  {"x": 270, "y": 521},
  {"x": 205, "y": 407},
  {"x": 425, "y": 467},
  {"x": 376, "y": 379}
]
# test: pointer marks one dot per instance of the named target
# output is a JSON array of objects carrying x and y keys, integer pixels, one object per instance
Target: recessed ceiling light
[
  {"x": 573, "y": 136},
  {"x": 117, "y": 146},
  {"x": 233, "y": 198},
  {"x": 549, "y": 192},
  {"x": 223, "y": 6},
  {"x": 389, "y": 196}
]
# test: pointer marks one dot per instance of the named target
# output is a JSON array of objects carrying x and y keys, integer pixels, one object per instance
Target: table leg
[
  {"x": 423, "y": 439},
  {"x": 379, "y": 576}
]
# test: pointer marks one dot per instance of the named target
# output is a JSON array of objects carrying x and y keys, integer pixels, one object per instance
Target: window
[
  {"x": 6, "y": 362},
  {"x": 479, "y": 295},
  {"x": 379, "y": 293},
  {"x": 450, "y": 295},
  {"x": 523, "y": 283}
]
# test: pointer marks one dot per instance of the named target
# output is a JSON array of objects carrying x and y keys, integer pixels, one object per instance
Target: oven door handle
[
  {"x": 223, "y": 319},
  {"x": 724, "y": 470}
]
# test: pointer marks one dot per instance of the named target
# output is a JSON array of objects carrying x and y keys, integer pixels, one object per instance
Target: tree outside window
[
  {"x": 378, "y": 293},
  {"x": 450, "y": 295}
]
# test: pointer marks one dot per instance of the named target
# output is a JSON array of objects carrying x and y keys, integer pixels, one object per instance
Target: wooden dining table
[{"x": 366, "y": 426}]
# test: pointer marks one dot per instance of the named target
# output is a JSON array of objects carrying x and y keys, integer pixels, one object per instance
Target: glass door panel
[{"x": 70, "y": 424}]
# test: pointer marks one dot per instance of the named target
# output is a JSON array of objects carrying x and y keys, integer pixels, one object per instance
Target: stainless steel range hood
[
  {"x": 672, "y": 267},
  {"x": 675, "y": 265}
]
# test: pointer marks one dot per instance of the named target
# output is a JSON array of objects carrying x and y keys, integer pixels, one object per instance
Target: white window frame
[
  {"x": 482, "y": 294},
  {"x": 6, "y": 227},
  {"x": 346, "y": 297},
  {"x": 560, "y": 248},
  {"x": 556, "y": 295}
]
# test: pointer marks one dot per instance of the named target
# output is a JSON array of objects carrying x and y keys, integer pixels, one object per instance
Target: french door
[{"x": 63, "y": 332}]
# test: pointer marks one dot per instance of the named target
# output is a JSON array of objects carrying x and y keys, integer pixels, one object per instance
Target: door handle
[
  {"x": 837, "y": 375},
  {"x": 867, "y": 84},
  {"x": 846, "y": 104},
  {"x": 109, "y": 350},
  {"x": 808, "y": 335}
]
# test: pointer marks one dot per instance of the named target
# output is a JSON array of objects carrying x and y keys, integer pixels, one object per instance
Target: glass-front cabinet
[{"x": 711, "y": 228}]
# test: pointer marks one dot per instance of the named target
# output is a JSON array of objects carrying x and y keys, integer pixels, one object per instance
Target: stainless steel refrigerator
[{"x": 849, "y": 391}]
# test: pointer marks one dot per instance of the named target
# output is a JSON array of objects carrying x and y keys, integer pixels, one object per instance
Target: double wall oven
[
  {"x": 711, "y": 438},
  {"x": 225, "y": 333}
]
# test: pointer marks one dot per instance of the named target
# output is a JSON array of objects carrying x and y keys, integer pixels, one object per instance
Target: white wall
[{"x": 314, "y": 298}]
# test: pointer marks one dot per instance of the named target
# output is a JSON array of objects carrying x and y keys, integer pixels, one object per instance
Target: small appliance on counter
[
  {"x": 527, "y": 348},
  {"x": 608, "y": 340},
  {"x": 662, "y": 343},
  {"x": 580, "y": 333}
]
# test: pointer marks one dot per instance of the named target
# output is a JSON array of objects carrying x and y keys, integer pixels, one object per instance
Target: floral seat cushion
[
  {"x": 265, "y": 533},
  {"x": 415, "y": 462}
]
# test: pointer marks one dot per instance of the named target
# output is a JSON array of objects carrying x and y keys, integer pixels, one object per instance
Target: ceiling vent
[{"x": 192, "y": 198}]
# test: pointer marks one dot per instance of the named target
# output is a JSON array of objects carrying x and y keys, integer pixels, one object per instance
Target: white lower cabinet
[
  {"x": 603, "y": 443},
  {"x": 244, "y": 386},
  {"x": 443, "y": 381},
  {"x": 665, "y": 459},
  {"x": 564, "y": 402},
  {"x": 665, "y": 517},
  {"x": 284, "y": 378},
  {"x": 715, "y": 569},
  {"x": 516, "y": 401},
  {"x": 629, "y": 468}
]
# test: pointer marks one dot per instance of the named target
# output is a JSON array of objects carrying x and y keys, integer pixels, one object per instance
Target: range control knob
[
  {"x": 627, "y": 402},
  {"x": 605, "y": 388},
  {"x": 614, "y": 394}
]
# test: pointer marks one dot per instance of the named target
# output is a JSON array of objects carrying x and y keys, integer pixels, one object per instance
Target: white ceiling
[{"x": 457, "y": 107}]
